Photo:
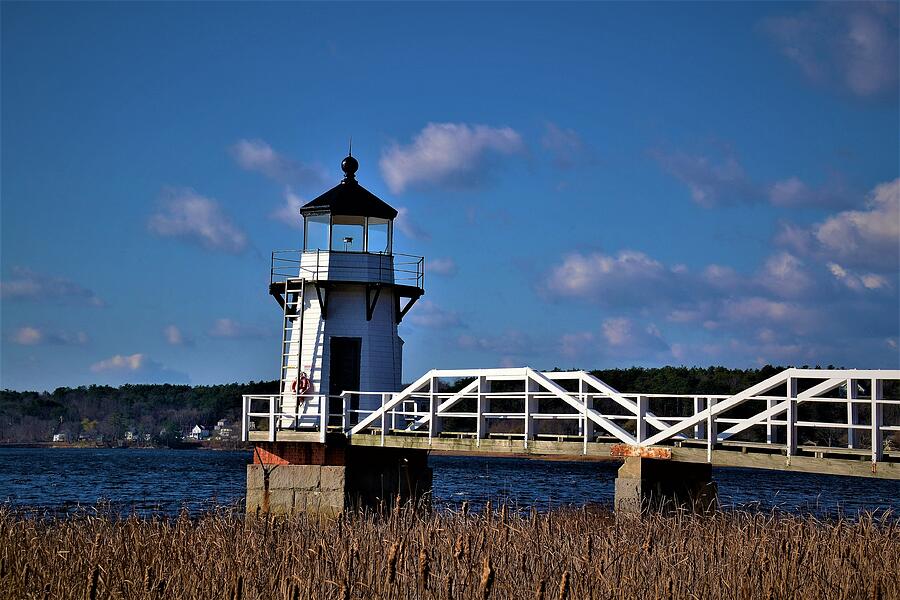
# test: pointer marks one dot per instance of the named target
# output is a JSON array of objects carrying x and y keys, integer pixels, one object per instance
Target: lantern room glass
[
  {"x": 344, "y": 233},
  {"x": 378, "y": 235},
  {"x": 348, "y": 233},
  {"x": 315, "y": 235}
]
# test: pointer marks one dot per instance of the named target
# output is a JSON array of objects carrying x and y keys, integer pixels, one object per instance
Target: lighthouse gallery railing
[{"x": 402, "y": 269}]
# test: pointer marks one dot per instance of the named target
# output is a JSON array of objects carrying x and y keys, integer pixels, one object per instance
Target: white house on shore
[{"x": 199, "y": 433}]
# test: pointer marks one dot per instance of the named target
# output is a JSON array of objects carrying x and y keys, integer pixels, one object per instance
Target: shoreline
[{"x": 94, "y": 446}]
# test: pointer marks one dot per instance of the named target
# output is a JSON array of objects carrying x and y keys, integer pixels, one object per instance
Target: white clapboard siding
[{"x": 381, "y": 347}]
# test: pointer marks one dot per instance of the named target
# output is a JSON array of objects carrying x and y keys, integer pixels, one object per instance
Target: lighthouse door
[{"x": 343, "y": 373}]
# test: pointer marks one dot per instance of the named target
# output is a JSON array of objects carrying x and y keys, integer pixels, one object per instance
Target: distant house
[
  {"x": 60, "y": 437},
  {"x": 224, "y": 429},
  {"x": 130, "y": 436},
  {"x": 199, "y": 433}
]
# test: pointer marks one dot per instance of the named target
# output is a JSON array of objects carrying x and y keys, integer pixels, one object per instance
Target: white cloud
[
  {"x": 428, "y": 314},
  {"x": 857, "y": 282},
  {"x": 788, "y": 192},
  {"x": 231, "y": 329},
  {"x": 28, "y": 285},
  {"x": 865, "y": 237},
  {"x": 798, "y": 239},
  {"x": 720, "y": 277},
  {"x": 711, "y": 181},
  {"x": 27, "y": 336},
  {"x": 194, "y": 218},
  {"x": 616, "y": 331},
  {"x": 289, "y": 212},
  {"x": 30, "y": 336},
  {"x": 442, "y": 266},
  {"x": 717, "y": 178},
  {"x": 606, "y": 279},
  {"x": 68, "y": 338},
  {"x": 619, "y": 338},
  {"x": 133, "y": 362},
  {"x": 175, "y": 337},
  {"x": 848, "y": 46},
  {"x": 623, "y": 333},
  {"x": 764, "y": 310},
  {"x": 447, "y": 154},
  {"x": 408, "y": 227},
  {"x": 133, "y": 368},
  {"x": 258, "y": 156},
  {"x": 784, "y": 274},
  {"x": 566, "y": 147}
]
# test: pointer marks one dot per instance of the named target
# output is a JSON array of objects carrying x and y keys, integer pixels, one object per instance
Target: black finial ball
[{"x": 349, "y": 166}]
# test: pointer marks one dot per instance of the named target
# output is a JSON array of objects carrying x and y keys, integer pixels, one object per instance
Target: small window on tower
[
  {"x": 347, "y": 233},
  {"x": 316, "y": 234},
  {"x": 379, "y": 236}
]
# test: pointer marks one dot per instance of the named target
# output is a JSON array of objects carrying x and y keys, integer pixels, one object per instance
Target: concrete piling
[{"x": 327, "y": 479}]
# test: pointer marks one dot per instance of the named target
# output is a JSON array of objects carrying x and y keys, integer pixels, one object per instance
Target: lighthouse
[{"x": 343, "y": 296}]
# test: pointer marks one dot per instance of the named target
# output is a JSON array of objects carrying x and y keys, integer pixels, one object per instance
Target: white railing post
[
  {"x": 852, "y": 413},
  {"x": 245, "y": 419},
  {"x": 345, "y": 410},
  {"x": 770, "y": 429},
  {"x": 791, "y": 437},
  {"x": 712, "y": 432},
  {"x": 584, "y": 418},
  {"x": 433, "y": 429},
  {"x": 272, "y": 418},
  {"x": 393, "y": 412},
  {"x": 530, "y": 407},
  {"x": 640, "y": 430},
  {"x": 877, "y": 434},
  {"x": 483, "y": 405},
  {"x": 323, "y": 418},
  {"x": 383, "y": 418},
  {"x": 700, "y": 428}
]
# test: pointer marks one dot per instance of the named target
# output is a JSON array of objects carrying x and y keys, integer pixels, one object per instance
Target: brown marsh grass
[{"x": 576, "y": 554}]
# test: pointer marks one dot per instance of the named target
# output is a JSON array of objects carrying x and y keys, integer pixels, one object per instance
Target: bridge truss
[{"x": 854, "y": 414}]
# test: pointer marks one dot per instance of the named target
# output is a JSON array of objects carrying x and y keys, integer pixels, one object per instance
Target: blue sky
[{"x": 592, "y": 185}]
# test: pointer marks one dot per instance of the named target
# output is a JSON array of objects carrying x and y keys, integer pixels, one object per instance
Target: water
[{"x": 167, "y": 481}]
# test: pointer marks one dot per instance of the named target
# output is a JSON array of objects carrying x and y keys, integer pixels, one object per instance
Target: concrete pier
[
  {"x": 327, "y": 479},
  {"x": 653, "y": 484}
]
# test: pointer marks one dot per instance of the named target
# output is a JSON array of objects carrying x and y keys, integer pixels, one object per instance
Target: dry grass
[{"x": 492, "y": 554}]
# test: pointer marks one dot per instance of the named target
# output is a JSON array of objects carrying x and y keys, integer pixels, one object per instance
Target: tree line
[{"x": 161, "y": 411}]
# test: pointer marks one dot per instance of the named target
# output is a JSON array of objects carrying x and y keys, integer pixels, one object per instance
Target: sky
[{"x": 592, "y": 185}]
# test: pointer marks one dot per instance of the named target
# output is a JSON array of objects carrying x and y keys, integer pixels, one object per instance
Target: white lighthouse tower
[{"x": 343, "y": 296}]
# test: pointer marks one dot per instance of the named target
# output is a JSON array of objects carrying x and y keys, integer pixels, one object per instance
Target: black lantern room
[{"x": 348, "y": 218}]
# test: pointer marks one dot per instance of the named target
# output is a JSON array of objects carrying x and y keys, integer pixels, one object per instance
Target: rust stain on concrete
[{"x": 624, "y": 451}]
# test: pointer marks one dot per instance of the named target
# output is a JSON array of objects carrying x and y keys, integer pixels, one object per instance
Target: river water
[{"x": 167, "y": 481}]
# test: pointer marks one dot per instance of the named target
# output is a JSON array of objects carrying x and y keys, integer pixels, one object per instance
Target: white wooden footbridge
[{"x": 812, "y": 420}]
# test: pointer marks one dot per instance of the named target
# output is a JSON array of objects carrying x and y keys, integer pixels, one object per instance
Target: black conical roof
[{"x": 348, "y": 198}]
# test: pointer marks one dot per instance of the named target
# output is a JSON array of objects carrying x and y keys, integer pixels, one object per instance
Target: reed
[{"x": 407, "y": 554}]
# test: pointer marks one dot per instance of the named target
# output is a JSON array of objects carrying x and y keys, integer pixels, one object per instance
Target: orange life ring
[{"x": 300, "y": 386}]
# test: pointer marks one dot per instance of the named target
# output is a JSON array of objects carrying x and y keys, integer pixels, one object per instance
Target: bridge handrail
[{"x": 708, "y": 418}]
